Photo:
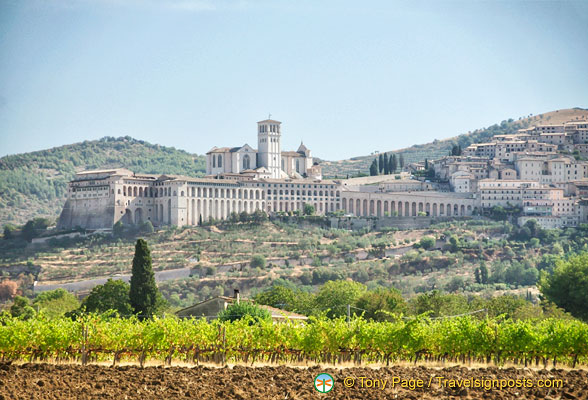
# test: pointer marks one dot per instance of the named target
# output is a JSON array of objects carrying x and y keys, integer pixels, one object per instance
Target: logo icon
[{"x": 324, "y": 383}]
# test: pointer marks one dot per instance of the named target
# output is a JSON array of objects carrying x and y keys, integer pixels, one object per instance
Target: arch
[
  {"x": 246, "y": 162},
  {"x": 365, "y": 208},
  {"x": 414, "y": 208},
  {"x": 421, "y": 208},
  {"x": 140, "y": 192},
  {"x": 358, "y": 207},
  {"x": 135, "y": 191},
  {"x": 434, "y": 209},
  {"x": 392, "y": 208},
  {"x": 161, "y": 214},
  {"x": 379, "y": 208},
  {"x": 406, "y": 209},
  {"x": 462, "y": 210},
  {"x": 220, "y": 161},
  {"x": 400, "y": 209},
  {"x": 428, "y": 209},
  {"x": 138, "y": 216},
  {"x": 169, "y": 214},
  {"x": 128, "y": 217},
  {"x": 448, "y": 210},
  {"x": 344, "y": 204},
  {"x": 124, "y": 190},
  {"x": 386, "y": 211}
]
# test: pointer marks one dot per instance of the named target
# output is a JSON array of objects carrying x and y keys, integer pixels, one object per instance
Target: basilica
[{"x": 267, "y": 161}]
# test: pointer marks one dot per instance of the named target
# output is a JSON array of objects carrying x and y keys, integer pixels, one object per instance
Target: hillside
[
  {"x": 34, "y": 184},
  {"x": 440, "y": 148}
]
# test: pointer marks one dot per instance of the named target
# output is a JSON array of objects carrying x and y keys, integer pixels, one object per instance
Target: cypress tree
[
  {"x": 144, "y": 294},
  {"x": 374, "y": 168},
  {"x": 381, "y": 163},
  {"x": 393, "y": 163},
  {"x": 401, "y": 161},
  {"x": 386, "y": 170}
]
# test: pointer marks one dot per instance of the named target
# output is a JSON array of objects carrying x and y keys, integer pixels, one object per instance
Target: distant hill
[
  {"x": 34, "y": 184},
  {"x": 440, "y": 148}
]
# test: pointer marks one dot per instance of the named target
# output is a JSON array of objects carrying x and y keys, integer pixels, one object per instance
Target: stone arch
[
  {"x": 128, "y": 217},
  {"x": 379, "y": 208},
  {"x": 138, "y": 216},
  {"x": 421, "y": 209},
  {"x": 434, "y": 209},
  {"x": 161, "y": 213},
  {"x": 169, "y": 214},
  {"x": 406, "y": 209},
  {"x": 414, "y": 208},
  {"x": 428, "y": 209},
  {"x": 400, "y": 209},
  {"x": 135, "y": 191},
  {"x": 140, "y": 192},
  {"x": 358, "y": 207},
  {"x": 344, "y": 204}
]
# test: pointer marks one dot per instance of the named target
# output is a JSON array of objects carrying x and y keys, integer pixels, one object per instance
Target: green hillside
[
  {"x": 440, "y": 148},
  {"x": 34, "y": 184}
]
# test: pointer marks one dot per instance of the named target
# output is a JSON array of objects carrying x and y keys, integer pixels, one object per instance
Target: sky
[{"x": 346, "y": 77}]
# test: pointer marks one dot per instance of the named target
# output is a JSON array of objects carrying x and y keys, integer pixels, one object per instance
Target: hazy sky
[{"x": 347, "y": 77}]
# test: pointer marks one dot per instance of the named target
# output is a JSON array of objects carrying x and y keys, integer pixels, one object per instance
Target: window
[
  {"x": 246, "y": 162},
  {"x": 220, "y": 161}
]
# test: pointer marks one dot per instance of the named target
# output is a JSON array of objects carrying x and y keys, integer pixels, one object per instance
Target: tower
[{"x": 268, "y": 146}]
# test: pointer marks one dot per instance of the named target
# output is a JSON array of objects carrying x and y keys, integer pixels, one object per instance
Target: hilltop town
[{"x": 537, "y": 173}]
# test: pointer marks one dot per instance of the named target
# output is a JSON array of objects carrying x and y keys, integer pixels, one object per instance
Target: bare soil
[{"x": 50, "y": 381}]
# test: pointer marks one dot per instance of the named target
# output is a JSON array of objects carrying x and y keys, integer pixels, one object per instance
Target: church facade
[{"x": 267, "y": 161}]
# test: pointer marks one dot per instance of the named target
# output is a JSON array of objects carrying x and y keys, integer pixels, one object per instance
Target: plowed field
[{"x": 50, "y": 381}]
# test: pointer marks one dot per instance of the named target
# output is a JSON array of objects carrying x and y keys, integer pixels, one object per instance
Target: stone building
[{"x": 268, "y": 161}]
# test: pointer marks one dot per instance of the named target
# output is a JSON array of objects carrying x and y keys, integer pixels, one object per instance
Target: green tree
[
  {"x": 401, "y": 161},
  {"x": 279, "y": 297},
  {"x": 113, "y": 295},
  {"x": 144, "y": 294},
  {"x": 386, "y": 164},
  {"x": 455, "y": 284},
  {"x": 381, "y": 163},
  {"x": 241, "y": 309},
  {"x": 9, "y": 231},
  {"x": 483, "y": 273},
  {"x": 439, "y": 304},
  {"x": 393, "y": 164},
  {"x": 258, "y": 261},
  {"x": 55, "y": 303},
  {"x": 118, "y": 229},
  {"x": 309, "y": 209},
  {"x": 336, "y": 295},
  {"x": 146, "y": 227},
  {"x": 454, "y": 243},
  {"x": 477, "y": 276},
  {"x": 374, "y": 168},
  {"x": 21, "y": 308},
  {"x": 567, "y": 286},
  {"x": 428, "y": 242},
  {"x": 380, "y": 302}
]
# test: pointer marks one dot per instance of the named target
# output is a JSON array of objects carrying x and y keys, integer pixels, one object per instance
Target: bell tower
[{"x": 269, "y": 150}]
